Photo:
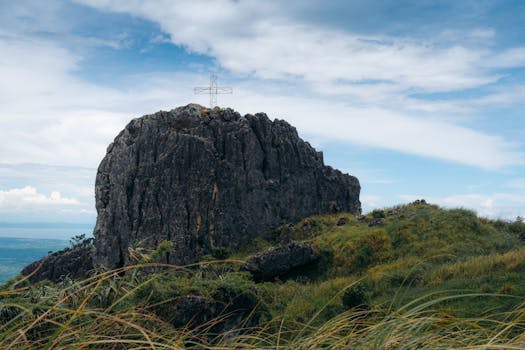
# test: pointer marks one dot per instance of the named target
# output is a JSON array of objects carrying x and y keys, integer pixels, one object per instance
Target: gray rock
[
  {"x": 76, "y": 263},
  {"x": 361, "y": 218},
  {"x": 376, "y": 222},
  {"x": 341, "y": 222},
  {"x": 204, "y": 179},
  {"x": 224, "y": 312},
  {"x": 280, "y": 260},
  {"x": 285, "y": 233}
]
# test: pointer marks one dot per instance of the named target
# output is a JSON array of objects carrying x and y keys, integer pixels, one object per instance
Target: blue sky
[{"x": 419, "y": 99}]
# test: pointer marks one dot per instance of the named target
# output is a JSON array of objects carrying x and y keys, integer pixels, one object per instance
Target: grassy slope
[
  {"x": 420, "y": 249},
  {"x": 420, "y": 274}
]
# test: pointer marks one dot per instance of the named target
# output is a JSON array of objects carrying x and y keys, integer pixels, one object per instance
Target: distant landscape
[{"x": 23, "y": 243}]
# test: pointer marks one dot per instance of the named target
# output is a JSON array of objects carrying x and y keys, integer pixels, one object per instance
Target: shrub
[
  {"x": 220, "y": 253},
  {"x": 378, "y": 214},
  {"x": 355, "y": 297}
]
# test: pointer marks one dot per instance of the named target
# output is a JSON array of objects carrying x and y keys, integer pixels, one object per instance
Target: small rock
[
  {"x": 307, "y": 226},
  {"x": 361, "y": 218},
  {"x": 341, "y": 222},
  {"x": 286, "y": 233},
  {"x": 376, "y": 222}
]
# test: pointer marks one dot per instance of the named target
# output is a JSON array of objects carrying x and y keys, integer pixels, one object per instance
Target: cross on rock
[{"x": 213, "y": 90}]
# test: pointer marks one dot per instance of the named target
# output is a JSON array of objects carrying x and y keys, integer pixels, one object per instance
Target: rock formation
[
  {"x": 75, "y": 262},
  {"x": 209, "y": 178}
]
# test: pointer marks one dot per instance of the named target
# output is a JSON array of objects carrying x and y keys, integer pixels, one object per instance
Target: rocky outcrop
[
  {"x": 280, "y": 260},
  {"x": 75, "y": 262},
  {"x": 206, "y": 179}
]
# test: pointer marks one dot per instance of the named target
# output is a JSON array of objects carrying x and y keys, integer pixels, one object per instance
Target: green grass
[{"x": 426, "y": 278}]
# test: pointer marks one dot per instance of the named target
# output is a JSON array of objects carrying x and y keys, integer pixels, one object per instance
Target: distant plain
[{"x": 17, "y": 252}]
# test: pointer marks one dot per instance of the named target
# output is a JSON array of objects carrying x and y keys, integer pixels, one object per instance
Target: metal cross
[{"x": 213, "y": 90}]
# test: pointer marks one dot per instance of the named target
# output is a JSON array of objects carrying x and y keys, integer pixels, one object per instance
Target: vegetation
[{"x": 420, "y": 277}]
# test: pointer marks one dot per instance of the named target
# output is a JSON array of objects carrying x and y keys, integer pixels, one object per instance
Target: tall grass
[
  {"x": 416, "y": 274},
  {"x": 69, "y": 316}
]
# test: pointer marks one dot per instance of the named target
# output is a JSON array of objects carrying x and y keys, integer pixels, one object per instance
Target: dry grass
[
  {"x": 69, "y": 322},
  {"x": 412, "y": 268}
]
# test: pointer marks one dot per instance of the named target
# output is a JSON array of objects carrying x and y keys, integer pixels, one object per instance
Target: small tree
[{"x": 80, "y": 241}]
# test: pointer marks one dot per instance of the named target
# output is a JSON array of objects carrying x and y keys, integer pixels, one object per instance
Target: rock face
[
  {"x": 280, "y": 260},
  {"x": 206, "y": 179}
]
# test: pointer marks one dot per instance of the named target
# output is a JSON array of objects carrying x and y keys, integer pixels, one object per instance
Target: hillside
[{"x": 411, "y": 276}]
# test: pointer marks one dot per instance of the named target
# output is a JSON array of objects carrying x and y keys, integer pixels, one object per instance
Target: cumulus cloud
[
  {"x": 68, "y": 121},
  {"x": 358, "y": 89},
  {"x": 257, "y": 38},
  {"x": 379, "y": 127},
  {"x": 29, "y": 204},
  {"x": 375, "y": 76},
  {"x": 516, "y": 184},
  {"x": 29, "y": 196},
  {"x": 49, "y": 130},
  {"x": 56, "y": 193},
  {"x": 370, "y": 201}
]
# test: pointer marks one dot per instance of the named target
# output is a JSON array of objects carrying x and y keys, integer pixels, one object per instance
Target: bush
[
  {"x": 518, "y": 228},
  {"x": 378, "y": 214},
  {"x": 355, "y": 297},
  {"x": 220, "y": 253}
]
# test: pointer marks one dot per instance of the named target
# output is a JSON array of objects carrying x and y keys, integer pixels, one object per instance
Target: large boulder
[
  {"x": 209, "y": 178},
  {"x": 280, "y": 260},
  {"x": 226, "y": 311}
]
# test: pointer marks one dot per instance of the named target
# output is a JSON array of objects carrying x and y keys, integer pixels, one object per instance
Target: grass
[
  {"x": 424, "y": 278},
  {"x": 68, "y": 319}
]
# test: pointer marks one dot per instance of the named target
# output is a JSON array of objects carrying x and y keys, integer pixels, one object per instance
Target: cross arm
[
  {"x": 200, "y": 90},
  {"x": 223, "y": 90}
]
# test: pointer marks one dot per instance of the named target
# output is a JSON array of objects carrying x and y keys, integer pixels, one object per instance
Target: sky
[{"x": 418, "y": 99}]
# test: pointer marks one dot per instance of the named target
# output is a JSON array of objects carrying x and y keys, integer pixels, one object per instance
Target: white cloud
[
  {"x": 29, "y": 196},
  {"x": 71, "y": 122},
  {"x": 507, "y": 95},
  {"x": 56, "y": 193},
  {"x": 374, "y": 76},
  {"x": 356, "y": 89},
  {"x": 253, "y": 37},
  {"x": 514, "y": 57},
  {"x": 49, "y": 115},
  {"x": 378, "y": 127},
  {"x": 516, "y": 183},
  {"x": 368, "y": 175},
  {"x": 370, "y": 201},
  {"x": 258, "y": 38}
]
